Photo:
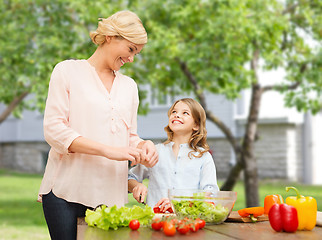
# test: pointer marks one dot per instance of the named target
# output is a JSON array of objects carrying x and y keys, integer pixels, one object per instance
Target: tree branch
[
  {"x": 200, "y": 94},
  {"x": 283, "y": 87},
  {"x": 287, "y": 10},
  {"x": 254, "y": 61},
  {"x": 284, "y": 41},
  {"x": 233, "y": 176},
  {"x": 14, "y": 103},
  {"x": 280, "y": 87},
  {"x": 194, "y": 82},
  {"x": 290, "y": 8}
]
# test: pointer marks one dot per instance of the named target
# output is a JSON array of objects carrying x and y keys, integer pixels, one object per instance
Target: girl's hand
[
  {"x": 139, "y": 192},
  {"x": 149, "y": 155},
  {"x": 164, "y": 204}
]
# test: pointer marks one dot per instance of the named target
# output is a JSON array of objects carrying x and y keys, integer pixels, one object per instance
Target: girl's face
[
  {"x": 181, "y": 120},
  {"x": 121, "y": 51}
]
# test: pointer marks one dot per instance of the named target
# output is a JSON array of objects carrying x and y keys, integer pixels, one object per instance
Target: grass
[{"x": 21, "y": 217}]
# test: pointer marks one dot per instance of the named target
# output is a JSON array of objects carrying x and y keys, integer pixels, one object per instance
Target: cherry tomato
[
  {"x": 179, "y": 223},
  {"x": 156, "y": 210},
  {"x": 183, "y": 228},
  {"x": 157, "y": 225},
  {"x": 169, "y": 229},
  {"x": 201, "y": 223},
  {"x": 134, "y": 224},
  {"x": 186, "y": 219},
  {"x": 194, "y": 226},
  {"x": 174, "y": 221}
]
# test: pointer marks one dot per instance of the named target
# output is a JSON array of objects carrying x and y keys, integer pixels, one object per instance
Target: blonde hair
[
  {"x": 125, "y": 24},
  {"x": 198, "y": 139}
]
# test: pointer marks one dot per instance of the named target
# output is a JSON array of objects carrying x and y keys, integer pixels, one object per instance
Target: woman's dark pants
[{"x": 61, "y": 216}]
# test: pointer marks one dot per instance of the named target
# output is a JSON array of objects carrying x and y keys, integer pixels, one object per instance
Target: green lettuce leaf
[
  {"x": 112, "y": 217},
  {"x": 201, "y": 209}
]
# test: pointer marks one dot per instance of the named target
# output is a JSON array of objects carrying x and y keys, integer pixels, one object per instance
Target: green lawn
[{"x": 21, "y": 216}]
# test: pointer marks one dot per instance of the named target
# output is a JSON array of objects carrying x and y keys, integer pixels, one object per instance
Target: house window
[{"x": 161, "y": 100}]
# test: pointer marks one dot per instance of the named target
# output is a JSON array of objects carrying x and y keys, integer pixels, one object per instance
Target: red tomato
[
  {"x": 194, "y": 226},
  {"x": 169, "y": 229},
  {"x": 179, "y": 223},
  {"x": 156, "y": 210},
  {"x": 174, "y": 221},
  {"x": 183, "y": 228},
  {"x": 157, "y": 225},
  {"x": 201, "y": 223},
  {"x": 134, "y": 224},
  {"x": 170, "y": 210}
]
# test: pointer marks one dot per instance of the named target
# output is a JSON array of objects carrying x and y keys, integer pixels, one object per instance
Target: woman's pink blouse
[{"x": 78, "y": 104}]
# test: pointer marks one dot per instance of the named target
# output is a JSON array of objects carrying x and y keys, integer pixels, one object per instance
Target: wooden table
[{"x": 227, "y": 230}]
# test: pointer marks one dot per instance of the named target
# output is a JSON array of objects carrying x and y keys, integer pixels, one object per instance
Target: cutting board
[{"x": 235, "y": 217}]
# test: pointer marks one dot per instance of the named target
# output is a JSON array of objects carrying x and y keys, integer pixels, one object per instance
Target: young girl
[{"x": 184, "y": 160}]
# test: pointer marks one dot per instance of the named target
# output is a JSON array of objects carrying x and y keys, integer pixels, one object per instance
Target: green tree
[
  {"x": 194, "y": 45},
  {"x": 220, "y": 46},
  {"x": 36, "y": 35}
]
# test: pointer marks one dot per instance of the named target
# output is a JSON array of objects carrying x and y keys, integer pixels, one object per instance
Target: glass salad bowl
[{"x": 212, "y": 206}]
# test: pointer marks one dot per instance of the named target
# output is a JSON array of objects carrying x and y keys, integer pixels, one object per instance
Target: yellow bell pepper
[{"x": 306, "y": 209}]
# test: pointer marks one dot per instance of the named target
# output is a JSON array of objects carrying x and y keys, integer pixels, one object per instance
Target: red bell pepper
[{"x": 283, "y": 217}]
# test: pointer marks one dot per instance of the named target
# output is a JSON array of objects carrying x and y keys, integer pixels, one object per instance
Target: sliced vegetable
[
  {"x": 170, "y": 210},
  {"x": 200, "y": 209},
  {"x": 252, "y": 212},
  {"x": 156, "y": 210}
]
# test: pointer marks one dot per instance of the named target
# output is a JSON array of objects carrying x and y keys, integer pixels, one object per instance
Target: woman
[{"x": 90, "y": 123}]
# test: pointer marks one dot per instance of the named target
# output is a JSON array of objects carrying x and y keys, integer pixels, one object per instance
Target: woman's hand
[
  {"x": 139, "y": 192},
  {"x": 149, "y": 155},
  {"x": 164, "y": 205},
  {"x": 87, "y": 146},
  {"x": 124, "y": 153}
]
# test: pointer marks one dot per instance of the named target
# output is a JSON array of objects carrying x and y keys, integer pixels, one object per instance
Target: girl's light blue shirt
[{"x": 172, "y": 173}]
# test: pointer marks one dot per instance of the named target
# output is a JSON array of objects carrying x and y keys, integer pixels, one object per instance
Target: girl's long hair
[{"x": 198, "y": 139}]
